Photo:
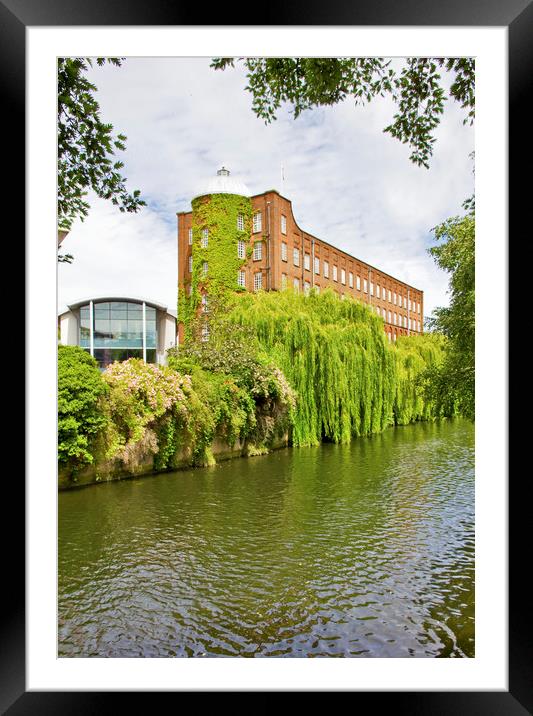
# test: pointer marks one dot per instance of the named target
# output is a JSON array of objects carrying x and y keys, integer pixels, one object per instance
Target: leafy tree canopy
[
  {"x": 86, "y": 146},
  {"x": 416, "y": 88},
  {"x": 455, "y": 380}
]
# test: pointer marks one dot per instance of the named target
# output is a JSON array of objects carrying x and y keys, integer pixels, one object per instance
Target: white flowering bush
[{"x": 139, "y": 395}]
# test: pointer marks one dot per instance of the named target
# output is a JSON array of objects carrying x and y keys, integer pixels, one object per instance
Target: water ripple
[{"x": 364, "y": 550}]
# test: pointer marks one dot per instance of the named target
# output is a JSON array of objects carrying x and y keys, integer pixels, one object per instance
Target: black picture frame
[{"x": 15, "y": 17}]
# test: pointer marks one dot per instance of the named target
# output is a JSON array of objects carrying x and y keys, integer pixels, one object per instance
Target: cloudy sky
[{"x": 349, "y": 183}]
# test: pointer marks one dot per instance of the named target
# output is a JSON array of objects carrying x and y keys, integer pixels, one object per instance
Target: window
[
  {"x": 283, "y": 251},
  {"x": 119, "y": 331},
  {"x": 240, "y": 222},
  {"x": 258, "y": 250},
  {"x": 307, "y": 262},
  {"x": 205, "y": 238},
  {"x": 390, "y": 317},
  {"x": 365, "y": 285},
  {"x": 390, "y": 296},
  {"x": 296, "y": 285},
  {"x": 205, "y": 332},
  {"x": 378, "y": 291},
  {"x": 418, "y": 308},
  {"x": 334, "y": 273},
  {"x": 190, "y": 264},
  {"x": 405, "y": 301},
  {"x": 317, "y": 266},
  {"x": 257, "y": 222},
  {"x": 394, "y": 337},
  {"x": 190, "y": 237},
  {"x": 377, "y": 310},
  {"x": 394, "y": 298},
  {"x": 343, "y": 277},
  {"x": 405, "y": 321},
  {"x": 283, "y": 224},
  {"x": 418, "y": 322},
  {"x": 388, "y": 336},
  {"x": 395, "y": 318},
  {"x": 326, "y": 269},
  {"x": 371, "y": 288},
  {"x": 307, "y": 288},
  {"x": 241, "y": 278},
  {"x": 204, "y": 304},
  {"x": 241, "y": 249},
  {"x": 204, "y": 268},
  {"x": 258, "y": 281},
  {"x": 283, "y": 281},
  {"x": 350, "y": 279},
  {"x": 296, "y": 256},
  {"x": 358, "y": 283},
  {"x": 384, "y": 314}
]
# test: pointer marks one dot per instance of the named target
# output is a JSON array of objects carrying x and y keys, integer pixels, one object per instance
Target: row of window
[
  {"x": 118, "y": 324},
  {"x": 377, "y": 290},
  {"x": 258, "y": 280},
  {"x": 393, "y": 317},
  {"x": 393, "y": 297},
  {"x": 257, "y": 225},
  {"x": 241, "y": 281},
  {"x": 204, "y": 266},
  {"x": 241, "y": 250},
  {"x": 398, "y": 320}
]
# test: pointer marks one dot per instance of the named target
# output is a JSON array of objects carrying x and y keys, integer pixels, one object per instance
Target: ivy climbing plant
[{"x": 219, "y": 215}]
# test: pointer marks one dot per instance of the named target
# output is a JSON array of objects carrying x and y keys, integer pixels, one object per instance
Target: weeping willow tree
[
  {"x": 414, "y": 355},
  {"x": 349, "y": 380}
]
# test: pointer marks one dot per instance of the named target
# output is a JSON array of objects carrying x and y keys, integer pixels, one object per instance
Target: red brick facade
[{"x": 293, "y": 257}]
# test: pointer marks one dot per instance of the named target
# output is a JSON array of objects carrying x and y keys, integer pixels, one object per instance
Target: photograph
[{"x": 266, "y": 325}]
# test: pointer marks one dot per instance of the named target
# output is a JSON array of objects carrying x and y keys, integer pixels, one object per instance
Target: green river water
[{"x": 360, "y": 550}]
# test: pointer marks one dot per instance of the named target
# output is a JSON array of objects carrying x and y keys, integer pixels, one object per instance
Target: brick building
[{"x": 283, "y": 255}]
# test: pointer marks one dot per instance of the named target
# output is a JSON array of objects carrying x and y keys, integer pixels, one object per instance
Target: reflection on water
[{"x": 358, "y": 550}]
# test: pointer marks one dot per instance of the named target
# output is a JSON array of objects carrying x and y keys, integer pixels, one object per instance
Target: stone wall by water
[{"x": 116, "y": 469}]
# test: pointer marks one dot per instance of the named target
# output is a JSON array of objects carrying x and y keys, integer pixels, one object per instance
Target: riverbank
[
  {"x": 277, "y": 369},
  {"x": 115, "y": 469}
]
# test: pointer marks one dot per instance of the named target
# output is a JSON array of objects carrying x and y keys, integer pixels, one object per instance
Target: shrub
[
  {"x": 248, "y": 395},
  {"x": 140, "y": 396},
  {"x": 80, "y": 416}
]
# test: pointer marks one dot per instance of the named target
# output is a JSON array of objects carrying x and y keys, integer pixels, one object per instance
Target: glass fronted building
[{"x": 115, "y": 329}]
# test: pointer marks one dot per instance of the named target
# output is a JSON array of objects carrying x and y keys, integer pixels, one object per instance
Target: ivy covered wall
[{"x": 219, "y": 214}]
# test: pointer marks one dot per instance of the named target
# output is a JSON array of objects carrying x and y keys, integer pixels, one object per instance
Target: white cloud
[
  {"x": 349, "y": 183},
  {"x": 119, "y": 255}
]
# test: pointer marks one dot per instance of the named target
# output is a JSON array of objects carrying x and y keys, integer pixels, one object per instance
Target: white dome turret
[{"x": 222, "y": 183}]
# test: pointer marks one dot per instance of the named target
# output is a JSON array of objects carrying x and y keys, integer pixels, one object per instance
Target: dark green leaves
[
  {"x": 86, "y": 145},
  {"x": 455, "y": 254},
  {"x": 80, "y": 418},
  {"x": 416, "y": 88}
]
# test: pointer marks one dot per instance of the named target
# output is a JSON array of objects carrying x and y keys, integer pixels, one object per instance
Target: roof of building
[
  {"x": 134, "y": 299},
  {"x": 222, "y": 183}
]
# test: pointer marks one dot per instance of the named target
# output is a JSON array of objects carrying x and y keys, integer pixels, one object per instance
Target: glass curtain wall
[{"x": 120, "y": 330}]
